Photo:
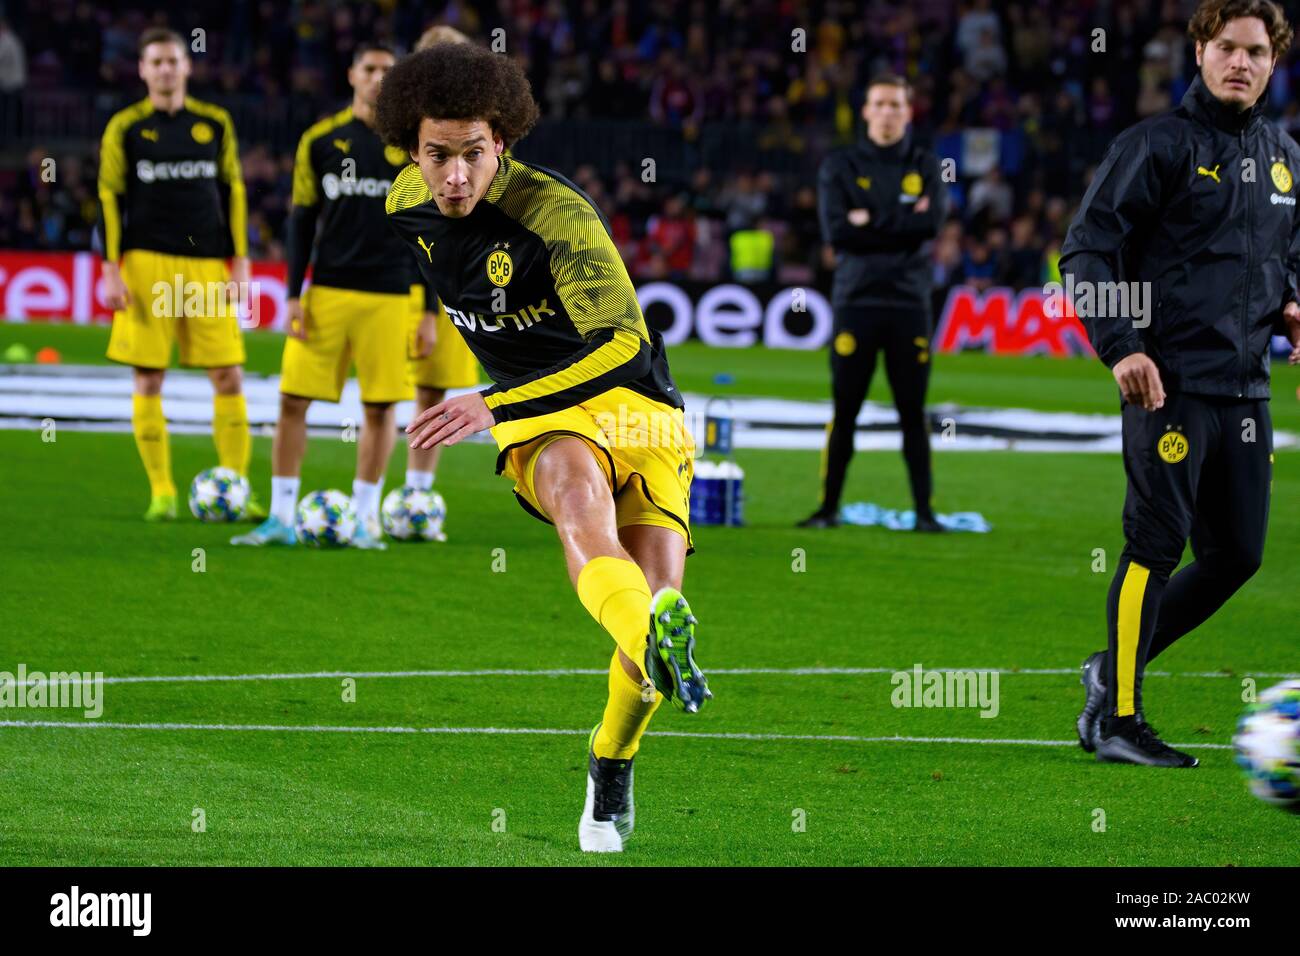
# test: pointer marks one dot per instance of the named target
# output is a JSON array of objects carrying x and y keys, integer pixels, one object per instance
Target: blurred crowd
[{"x": 1023, "y": 95}]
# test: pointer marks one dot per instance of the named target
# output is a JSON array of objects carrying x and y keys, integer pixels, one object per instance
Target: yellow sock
[
  {"x": 151, "y": 440},
  {"x": 626, "y": 715},
  {"x": 616, "y": 594},
  {"x": 230, "y": 432}
]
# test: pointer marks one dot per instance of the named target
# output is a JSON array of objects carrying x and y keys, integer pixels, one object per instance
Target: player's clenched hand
[
  {"x": 116, "y": 294},
  {"x": 1139, "y": 381},
  {"x": 1292, "y": 316},
  {"x": 426, "y": 334},
  {"x": 293, "y": 308},
  {"x": 859, "y": 217},
  {"x": 448, "y": 422}
]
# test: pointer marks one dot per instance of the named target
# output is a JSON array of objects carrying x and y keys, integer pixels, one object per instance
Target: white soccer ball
[
  {"x": 1268, "y": 746},
  {"x": 219, "y": 494},
  {"x": 326, "y": 519},
  {"x": 412, "y": 514}
]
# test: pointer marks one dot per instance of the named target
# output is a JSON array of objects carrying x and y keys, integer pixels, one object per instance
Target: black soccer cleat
[
  {"x": 928, "y": 524},
  {"x": 820, "y": 519},
  {"x": 1136, "y": 741},
  {"x": 609, "y": 813},
  {"x": 1088, "y": 723}
]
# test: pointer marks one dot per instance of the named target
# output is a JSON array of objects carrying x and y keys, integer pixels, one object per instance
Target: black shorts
[
  {"x": 859, "y": 335},
  {"x": 1202, "y": 467}
]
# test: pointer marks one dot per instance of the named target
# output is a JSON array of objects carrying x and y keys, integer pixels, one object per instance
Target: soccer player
[
  {"x": 441, "y": 358},
  {"x": 583, "y": 409},
  {"x": 880, "y": 202},
  {"x": 160, "y": 167},
  {"x": 1198, "y": 204},
  {"x": 358, "y": 307}
]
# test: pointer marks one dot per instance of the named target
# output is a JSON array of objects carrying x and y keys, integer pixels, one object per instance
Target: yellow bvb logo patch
[
  {"x": 845, "y": 344},
  {"x": 864, "y": 182},
  {"x": 500, "y": 268},
  {"x": 396, "y": 155},
  {"x": 1172, "y": 447},
  {"x": 912, "y": 184},
  {"x": 1281, "y": 177},
  {"x": 201, "y": 132}
]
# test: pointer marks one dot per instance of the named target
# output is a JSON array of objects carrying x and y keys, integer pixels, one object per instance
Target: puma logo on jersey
[
  {"x": 428, "y": 250},
  {"x": 1212, "y": 173},
  {"x": 343, "y": 145},
  {"x": 150, "y": 134}
]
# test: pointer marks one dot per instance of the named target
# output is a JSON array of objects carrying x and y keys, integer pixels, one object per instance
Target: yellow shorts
[
  {"x": 176, "y": 299},
  {"x": 344, "y": 325},
  {"x": 450, "y": 364},
  {"x": 643, "y": 447}
]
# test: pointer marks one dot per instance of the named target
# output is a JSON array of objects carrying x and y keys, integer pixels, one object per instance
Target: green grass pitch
[{"x": 88, "y": 586}]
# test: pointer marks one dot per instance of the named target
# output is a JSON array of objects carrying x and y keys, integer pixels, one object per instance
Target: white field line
[
  {"x": 553, "y": 732},
  {"x": 593, "y": 672}
]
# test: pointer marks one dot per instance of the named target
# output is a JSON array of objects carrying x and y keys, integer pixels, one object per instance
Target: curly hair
[
  {"x": 454, "y": 81},
  {"x": 1212, "y": 16}
]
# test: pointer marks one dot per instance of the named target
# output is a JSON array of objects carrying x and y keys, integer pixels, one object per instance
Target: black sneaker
[
  {"x": 1088, "y": 724},
  {"x": 1133, "y": 740},
  {"x": 928, "y": 524},
  {"x": 820, "y": 519},
  {"x": 609, "y": 814}
]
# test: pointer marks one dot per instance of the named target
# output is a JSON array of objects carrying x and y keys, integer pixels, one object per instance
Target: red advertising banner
[{"x": 1005, "y": 322}]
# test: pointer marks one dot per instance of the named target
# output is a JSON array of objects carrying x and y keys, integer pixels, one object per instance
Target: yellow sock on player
[
  {"x": 230, "y": 432},
  {"x": 627, "y": 713},
  {"x": 616, "y": 594},
  {"x": 151, "y": 439}
]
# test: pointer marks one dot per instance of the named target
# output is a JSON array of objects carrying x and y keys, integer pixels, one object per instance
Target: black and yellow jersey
[
  {"x": 161, "y": 180},
  {"x": 533, "y": 281},
  {"x": 341, "y": 175}
]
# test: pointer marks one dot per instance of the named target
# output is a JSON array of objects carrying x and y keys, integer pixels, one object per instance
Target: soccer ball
[
  {"x": 326, "y": 519},
  {"x": 411, "y": 514},
  {"x": 1268, "y": 746},
  {"x": 218, "y": 494}
]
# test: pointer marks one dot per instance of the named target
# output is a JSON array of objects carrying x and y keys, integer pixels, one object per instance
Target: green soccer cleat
[
  {"x": 270, "y": 531},
  {"x": 254, "y": 510},
  {"x": 670, "y": 652},
  {"x": 161, "y": 508},
  {"x": 609, "y": 814}
]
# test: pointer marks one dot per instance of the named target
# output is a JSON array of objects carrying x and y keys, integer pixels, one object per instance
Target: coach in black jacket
[
  {"x": 1194, "y": 212},
  {"x": 880, "y": 202}
]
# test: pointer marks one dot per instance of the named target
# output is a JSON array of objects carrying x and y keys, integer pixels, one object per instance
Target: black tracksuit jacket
[
  {"x": 882, "y": 264},
  {"x": 1200, "y": 202}
]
